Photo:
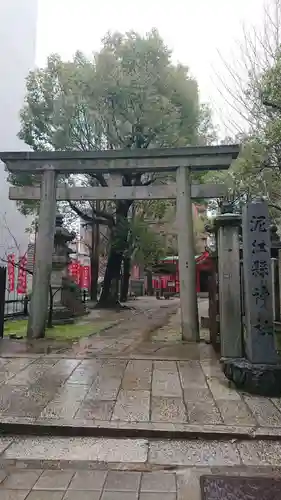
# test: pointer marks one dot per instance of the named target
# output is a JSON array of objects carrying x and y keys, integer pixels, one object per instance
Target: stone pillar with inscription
[
  {"x": 260, "y": 371},
  {"x": 228, "y": 227},
  {"x": 259, "y": 339}
]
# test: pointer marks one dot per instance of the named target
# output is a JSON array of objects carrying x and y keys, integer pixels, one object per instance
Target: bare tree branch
[
  {"x": 103, "y": 217},
  {"x": 10, "y": 232}
]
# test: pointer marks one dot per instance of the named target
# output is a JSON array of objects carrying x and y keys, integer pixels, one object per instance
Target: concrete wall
[{"x": 17, "y": 57}]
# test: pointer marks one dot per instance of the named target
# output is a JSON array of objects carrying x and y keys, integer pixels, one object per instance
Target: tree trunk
[
  {"x": 149, "y": 283},
  {"x": 109, "y": 295},
  {"x": 95, "y": 244},
  {"x": 125, "y": 279},
  {"x": 110, "y": 290}
]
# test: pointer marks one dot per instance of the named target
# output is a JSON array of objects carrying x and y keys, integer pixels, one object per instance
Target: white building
[{"x": 18, "y": 19}]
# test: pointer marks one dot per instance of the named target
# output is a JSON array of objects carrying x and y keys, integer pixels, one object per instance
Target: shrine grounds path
[
  {"x": 132, "y": 413},
  {"x": 136, "y": 379}
]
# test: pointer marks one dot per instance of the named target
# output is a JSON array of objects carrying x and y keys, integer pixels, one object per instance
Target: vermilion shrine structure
[{"x": 182, "y": 161}]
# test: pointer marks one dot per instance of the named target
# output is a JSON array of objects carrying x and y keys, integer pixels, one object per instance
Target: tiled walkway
[
  {"x": 155, "y": 384},
  {"x": 87, "y": 485},
  {"x": 105, "y": 469},
  {"x": 177, "y": 392},
  {"x": 145, "y": 384}
]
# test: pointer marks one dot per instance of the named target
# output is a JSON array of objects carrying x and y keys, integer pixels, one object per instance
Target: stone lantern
[{"x": 60, "y": 262}]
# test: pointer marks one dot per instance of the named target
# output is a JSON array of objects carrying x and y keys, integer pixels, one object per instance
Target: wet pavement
[
  {"x": 131, "y": 394},
  {"x": 129, "y": 326},
  {"x": 123, "y": 381},
  {"x": 145, "y": 383},
  {"x": 47, "y": 468}
]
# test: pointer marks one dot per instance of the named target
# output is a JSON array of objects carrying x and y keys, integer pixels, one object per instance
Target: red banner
[
  {"x": 22, "y": 276},
  {"x": 85, "y": 277},
  {"x": 74, "y": 270},
  {"x": 11, "y": 272}
]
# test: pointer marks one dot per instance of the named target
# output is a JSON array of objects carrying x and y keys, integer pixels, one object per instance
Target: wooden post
[
  {"x": 43, "y": 256},
  {"x": 229, "y": 285},
  {"x": 187, "y": 265}
]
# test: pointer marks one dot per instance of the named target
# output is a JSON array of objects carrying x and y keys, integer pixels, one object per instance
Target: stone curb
[{"x": 127, "y": 430}]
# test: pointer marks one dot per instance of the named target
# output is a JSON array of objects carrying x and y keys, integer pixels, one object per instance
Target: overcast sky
[{"x": 195, "y": 29}]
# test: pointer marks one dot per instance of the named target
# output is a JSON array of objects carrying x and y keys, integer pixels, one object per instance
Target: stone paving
[
  {"x": 130, "y": 326},
  {"x": 128, "y": 381},
  {"x": 105, "y": 469},
  {"x": 118, "y": 390},
  {"x": 153, "y": 384}
]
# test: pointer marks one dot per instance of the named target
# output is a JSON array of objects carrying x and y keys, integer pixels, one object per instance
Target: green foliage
[
  {"x": 251, "y": 176},
  {"x": 145, "y": 245},
  {"x": 128, "y": 95},
  {"x": 129, "y": 87}
]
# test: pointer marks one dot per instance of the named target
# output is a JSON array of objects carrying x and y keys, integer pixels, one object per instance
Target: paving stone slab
[
  {"x": 193, "y": 453},
  {"x": 56, "y": 409},
  {"x": 166, "y": 383},
  {"x": 105, "y": 388},
  {"x": 188, "y": 483},
  {"x": 265, "y": 412},
  {"x": 17, "y": 495},
  {"x": 3, "y": 475},
  {"x": 158, "y": 496},
  {"x": 45, "y": 495},
  {"x": 107, "y": 450},
  {"x": 122, "y": 481},
  {"x": 5, "y": 442},
  {"x": 260, "y": 452},
  {"x": 93, "y": 409},
  {"x": 53, "y": 480},
  {"x": 236, "y": 413},
  {"x": 137, "y": 375},
  {"x": 132, "y": 406},
  {"x": 221, "y": 390},
  {"x": 191, "y": 375},
  {"x": 203, "y": 413},
  {"x": 168, "y": 410},
  {"x": 158, "y": 482},
  {"x": 118, "y": 495},
  {"x": 82, "y": 495},
  {"x": 20, "y": 480},
  {"x": 198, "y": 395},
  {"x": 88, "y": 480}
]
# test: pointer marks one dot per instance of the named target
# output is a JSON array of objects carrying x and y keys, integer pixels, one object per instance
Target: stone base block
[
  {"x": 61, "y": 313},
  {"x": 259, "y": 379}
]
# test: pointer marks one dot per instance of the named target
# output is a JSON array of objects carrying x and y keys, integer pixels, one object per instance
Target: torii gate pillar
[
  {"x": 43, "y": 256},
  {"x": 186, "y": 251}
]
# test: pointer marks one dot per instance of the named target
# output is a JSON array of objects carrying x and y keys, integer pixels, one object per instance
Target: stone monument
[
  {"x": 259, "y": 372},
  {"x": 228, "y": 247}
]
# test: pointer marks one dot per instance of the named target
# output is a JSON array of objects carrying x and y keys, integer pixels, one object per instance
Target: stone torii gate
[{"x": 180, "y": 160}]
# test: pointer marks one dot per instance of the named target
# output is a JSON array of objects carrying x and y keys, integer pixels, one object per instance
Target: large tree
[
  {"x": 128, "y": 95},
  {"x": 253, "y": 91}
]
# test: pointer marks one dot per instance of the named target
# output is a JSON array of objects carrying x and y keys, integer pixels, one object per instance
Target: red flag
[
  {"x": 11, "y": 272},
  {"x": 85, "y": 277},
  {"x": 74, "y": 268},
  {"x": 22, "y": 276}
]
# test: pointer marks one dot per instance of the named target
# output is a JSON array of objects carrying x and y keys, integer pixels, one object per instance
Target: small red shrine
[{"x": 167, "y": 277}]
